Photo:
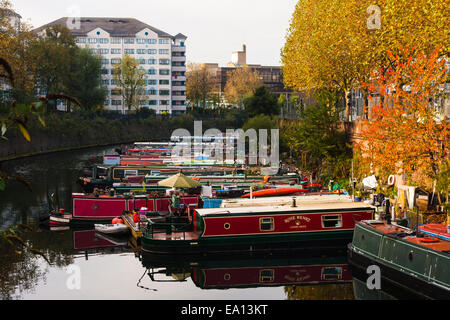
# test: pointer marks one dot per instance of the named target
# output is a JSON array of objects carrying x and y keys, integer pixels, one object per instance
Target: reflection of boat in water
[
  {"x": 387, "y": 291},
  {"x": 247, "y": 270}
]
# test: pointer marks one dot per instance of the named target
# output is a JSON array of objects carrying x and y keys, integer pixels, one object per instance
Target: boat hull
[
  {"x": 222, "y": 231},
  {"x": 418, "y": 269}
]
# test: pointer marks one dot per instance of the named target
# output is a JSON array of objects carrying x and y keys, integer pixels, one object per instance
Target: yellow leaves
[{"x": 24, "y": 132}]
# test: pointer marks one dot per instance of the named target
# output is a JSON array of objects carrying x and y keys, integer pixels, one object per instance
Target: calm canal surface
[{"x": 78, "y": 264}]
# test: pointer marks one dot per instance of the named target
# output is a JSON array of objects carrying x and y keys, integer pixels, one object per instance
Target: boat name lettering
[{"x": 290, "y": 219}]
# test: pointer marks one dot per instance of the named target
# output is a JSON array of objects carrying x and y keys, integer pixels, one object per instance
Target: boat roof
[
  {"x": 301, "y": 206},
  {"x": 439, "y": 244},
  {"x": 286, "y": 200}
]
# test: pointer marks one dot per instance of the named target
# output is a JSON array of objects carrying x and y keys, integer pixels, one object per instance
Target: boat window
[
  {"x": 118, "y": 174},
  {"x": 266, "y": 224},
  {"x": 332, "y": 273},
  {"x": 131, "y": 173},
  {"x": 334, "y": 221},
  {"x": 266, "y": 275}
]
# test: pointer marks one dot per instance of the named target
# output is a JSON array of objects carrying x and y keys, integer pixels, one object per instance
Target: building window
[
  {"x": 105, "y": 61},
  {"x": 152, "y": 92},
  {"x": 164, "y": 82},
  {"x": 164, "y": 72},
  {"x": 141, "y": 51},
  {"x": 152, "y": 82},
  {"x": 103, "y": 40},
  {"x": 164, "y": 41},
  {"x": 116, "y": 61},
  {"x": 332, "y": 221},
  {"x": 141, "y": 41},
  {"x": 116, "y": 92},
  {"x": 105, "y": 82},
  {"x": 128, "y": 40},
  {"x": 116, "y": 51},
  {"x": 164, "y": 92},
  {"x": 151, "y": 61},
  {"x": 129, "y": 51},
  {"x": 116, "y": 102},
  {"x": 163, "y": 51},
  {"x": 164, "y": 102},
  {"x": 152, "y": 51},
  {"x": 80, "y": 40},
  {"x": 116, "y": 40},
  {"x": 141, "y": 61},
  {"x": 164, "y": 61},
  {"x": 151, "y": 71},
  {"x": 105, "y": 71},
  {"x": 92, "y": 40},
  {"x": 266, "y": 224},
  {"x": 152, "y": 41}
]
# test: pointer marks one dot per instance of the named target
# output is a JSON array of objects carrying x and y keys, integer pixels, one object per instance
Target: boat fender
[{"x": 391, "y": 180}]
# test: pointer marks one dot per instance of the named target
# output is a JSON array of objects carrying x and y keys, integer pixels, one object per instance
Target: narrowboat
[
  {"x": 92, "y": 209},
  {"x": 409, "y": 259},
  {"x": 252, "y": 271},
  {"x": 105, "y": 176},
  {"x": 311, "y": 224}
]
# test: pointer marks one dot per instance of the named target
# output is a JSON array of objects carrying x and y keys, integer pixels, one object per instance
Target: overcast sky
[{"x": 215, "y": 28}]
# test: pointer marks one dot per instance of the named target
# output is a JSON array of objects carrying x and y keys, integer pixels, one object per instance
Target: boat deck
[
  {"x": 176, "y": 236},
  {"x": 410, "y": 236}
]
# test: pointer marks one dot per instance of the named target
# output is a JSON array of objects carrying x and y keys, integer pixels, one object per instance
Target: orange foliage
[{"x": 407, "y": 133}]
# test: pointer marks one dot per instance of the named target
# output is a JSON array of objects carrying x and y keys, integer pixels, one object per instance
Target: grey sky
[{"x": 215, "y": 28}]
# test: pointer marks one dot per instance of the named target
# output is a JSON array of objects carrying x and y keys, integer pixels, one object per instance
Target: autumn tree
[
  {"x": 407, "y": 132},
  {"x": 241, "y": 82},
  {"x": 327, "y": 46},
  {"x": 130, "y": 81},
  {"x": 199, "y": 84},
  {"x": 337, "y": 43}
]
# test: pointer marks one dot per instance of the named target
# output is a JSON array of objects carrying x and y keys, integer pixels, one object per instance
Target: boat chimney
[{"x": 294, "y": 202}]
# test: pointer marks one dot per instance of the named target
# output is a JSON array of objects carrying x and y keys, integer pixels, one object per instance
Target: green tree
[
  {"x": 53, "y": 54},
  {"x": 261, "y": 102},
  {"x": 130, "y": 81},
  {"x": 85, "y": 80},
  {"x": 317, "y": 136}
]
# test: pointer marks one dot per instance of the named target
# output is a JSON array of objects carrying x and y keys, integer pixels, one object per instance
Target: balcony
[
  {"x": 178, "y": 59},
  {"x": 178, "y": 49},
  {"x": 179, "y": 68}
]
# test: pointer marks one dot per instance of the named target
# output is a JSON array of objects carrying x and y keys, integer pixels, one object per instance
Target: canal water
[{"x": 79, "y": 264}]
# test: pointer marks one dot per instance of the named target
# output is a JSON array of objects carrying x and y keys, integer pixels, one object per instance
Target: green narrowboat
[{"x": 414, "y": 261}]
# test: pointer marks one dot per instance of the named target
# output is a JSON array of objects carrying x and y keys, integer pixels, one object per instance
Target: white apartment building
[{"x": 161, "y": 55}]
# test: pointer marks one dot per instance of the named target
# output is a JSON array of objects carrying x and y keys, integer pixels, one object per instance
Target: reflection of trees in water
[
  {"x": 320, "y": 292},
  {"x": 19, "y": 273},
  {"x": 23, "y": 267}
]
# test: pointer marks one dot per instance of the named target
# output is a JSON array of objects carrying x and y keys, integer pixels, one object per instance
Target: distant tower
[{"x": 239, "y": 58}]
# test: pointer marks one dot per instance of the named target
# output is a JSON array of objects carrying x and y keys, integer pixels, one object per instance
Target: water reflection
[{"x": 303, "y": 276}]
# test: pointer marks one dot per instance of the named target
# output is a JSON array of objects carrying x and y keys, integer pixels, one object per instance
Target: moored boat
[
  {"x": 314, "y": 224},
  {"x": 112, "y": 229},
  {"x": 91, "y": 209},
  {"x": 408, "y": 259}
]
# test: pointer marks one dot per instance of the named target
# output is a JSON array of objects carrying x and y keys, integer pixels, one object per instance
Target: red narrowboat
[
  {"x": 257, "y": 228},
  {"x": 91, "y": 209}
]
